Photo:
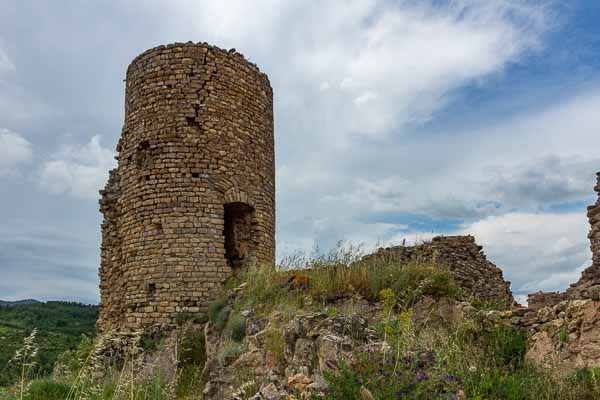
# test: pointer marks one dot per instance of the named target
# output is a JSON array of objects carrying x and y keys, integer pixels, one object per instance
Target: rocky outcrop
[
  {"x": 565, "y": 336},
  {"x": 564, "y": 328},
  {"x": 588, "y": 286},
  {"x": 465, "y": 260},
  {"x": 288, "y": 360}
]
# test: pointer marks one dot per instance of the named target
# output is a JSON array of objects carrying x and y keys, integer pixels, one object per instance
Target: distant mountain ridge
[{"x": 18, "y": 302}]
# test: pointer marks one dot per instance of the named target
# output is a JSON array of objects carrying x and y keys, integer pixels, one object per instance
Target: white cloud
[
  {"x": 399, "y": 62},
  {"x": 353, "y": 83},
  {"x": 79, "y": 171},
  {"x": 15, "y": 150},
  {"x": 496, "y": 189},
  {"x": 362, "y": 77},
  {"x": 6, "y": 65},
  {"x": 407, "y": 60},
  {"x": 544, "y": 251},
  {"x": 543, "y": 181}
]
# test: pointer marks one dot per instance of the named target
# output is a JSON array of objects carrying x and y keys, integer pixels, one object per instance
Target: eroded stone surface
[
  {"x": 566, "y": 336},
  {"x": 313, "y": 344}
]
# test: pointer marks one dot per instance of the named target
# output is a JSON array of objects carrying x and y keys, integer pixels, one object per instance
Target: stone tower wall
[{"x": 193, "y": 196}]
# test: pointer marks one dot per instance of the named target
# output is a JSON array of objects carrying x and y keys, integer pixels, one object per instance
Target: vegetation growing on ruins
[{"x": 474, "y": 358}]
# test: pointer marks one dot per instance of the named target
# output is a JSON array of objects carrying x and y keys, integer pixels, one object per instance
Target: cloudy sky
[{"x": 394, "y": 119}]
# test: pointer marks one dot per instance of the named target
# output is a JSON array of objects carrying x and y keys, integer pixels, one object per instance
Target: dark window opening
[
  {"x": 191, "y": 121},
  {"x": 195, "y": 175},
  {"x": 238, "y": 234},
  {"x": 151, "y": 291}
]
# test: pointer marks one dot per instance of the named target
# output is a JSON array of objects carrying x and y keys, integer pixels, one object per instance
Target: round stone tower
[{"x": 193, "y": 196}]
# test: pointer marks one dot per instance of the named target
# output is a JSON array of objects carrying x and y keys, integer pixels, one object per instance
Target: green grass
[{"x": 333, "y": 277}]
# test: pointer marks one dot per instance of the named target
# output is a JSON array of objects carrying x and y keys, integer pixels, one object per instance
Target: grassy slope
[
  {"x": 60, "y": 326},
  {"x": 478, "y": 359}
]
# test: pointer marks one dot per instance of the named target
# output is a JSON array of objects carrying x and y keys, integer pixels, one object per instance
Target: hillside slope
[{"x": 60, "y": 327}]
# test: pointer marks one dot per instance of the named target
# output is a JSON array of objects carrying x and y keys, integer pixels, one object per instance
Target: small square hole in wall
[
  {"x": 144, "y": 145},
  {"x": 157, "y": 227},
  {"x": 195, "y": 175}
]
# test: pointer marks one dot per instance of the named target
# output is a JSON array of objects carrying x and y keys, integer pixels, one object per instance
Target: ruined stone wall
[
  {"x": 465, "y": 260},
  {"x": 563, "y": 328},
  {"x": 193, "y": 196},
  {"x": 563, "y": 336},
  {"x": 588, "y": 285},
  {"x": 539, "y": 300}
]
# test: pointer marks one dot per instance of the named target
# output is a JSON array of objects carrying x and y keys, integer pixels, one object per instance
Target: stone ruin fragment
[{"x": 464, "y": 259}]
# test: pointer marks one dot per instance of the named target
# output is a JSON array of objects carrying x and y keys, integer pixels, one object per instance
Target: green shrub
[
  {"x": 236, "y": 326},
  {"x": 189, "y": 383},
  {"x": 505, "y": 345},
  {"x": 192, "y": 358},
  {"x": 230, "y": 352},
  {"x": 495, "y": 384},
  {"x": 217, "y": 310},
  {"x": 588, "y": 381},
  {"x": 47, "y": 390},
  {"x": 192, "y": 349},
  {"x": 70, "y": 362},
  {"x": 218, "y": 313},
  {"x": 343, "y": 385},
  {"x": 489, "y": 305},
  {"x": 441, "y": 284},
  {"x": 332, "y": 311},
  {"x": 407, "y": 281},
  {"x": 275, "y": 344},
  {"x": 418, "y": 376},
  {"x": 563, "y": 335}
]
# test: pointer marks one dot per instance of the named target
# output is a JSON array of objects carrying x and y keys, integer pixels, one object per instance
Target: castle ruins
[
  {"x": 192, "y": 200},
  {"x": 193, "y": 196},
  {"x": 588, "y": 286},
  {"x": 464, "y": 259}
]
